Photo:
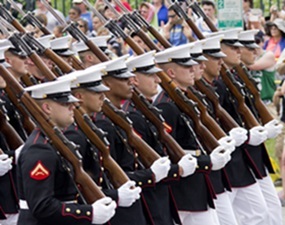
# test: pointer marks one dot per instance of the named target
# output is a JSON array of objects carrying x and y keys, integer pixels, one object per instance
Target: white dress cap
[
  {"x": 6, "y": 43},
  {"x": 118, "y": 68},
  {"x": 58, "y": 90},
  {"x": 12, "y": 48},
  {"x": 45, "y": 40},
  {"x": 100, "y": 41},
  {"x": 90, "y": 79},
  {"x": 230, "y": 36},
  {"x": 178, "y": 54},
  {"x": 143, "y": 63},
  {"x": 247, "y": 38},
  {"x": 212, "y": 46},
  {"x": 61, "y": 45},
  {"x": 197, "y": 51}
]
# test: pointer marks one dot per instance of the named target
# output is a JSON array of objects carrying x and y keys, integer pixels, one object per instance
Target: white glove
[
  {"x": 5, "y": 164},
  {"x": 188, "y": 163},
  {"x": 273, "y": 127},
  {"x": 257, "y": 135},
  {"x": 219, "y": 157},
  {"x": 239, "y": 134},
  {"x": 160, "y": 168},
  {"x": 103, "y": 210},
  {"x": 128, "y": 194},
  {"x": 228, "y": 143}
]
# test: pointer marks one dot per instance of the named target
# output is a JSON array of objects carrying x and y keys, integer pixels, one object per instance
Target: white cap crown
[
  {"x": 60, "y": 43},
  {"x": 100, "y": 41}
]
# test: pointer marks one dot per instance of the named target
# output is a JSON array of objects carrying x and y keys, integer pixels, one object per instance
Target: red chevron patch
[{"x": 40, "y": 172}]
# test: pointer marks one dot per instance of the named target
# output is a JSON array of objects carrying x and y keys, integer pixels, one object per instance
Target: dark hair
[
  {"x": 208, "y": 2},
  {"x": 85, "y": 23},
  {"x": 77, "y": 9},
  {"x": 258, "y": 39}
]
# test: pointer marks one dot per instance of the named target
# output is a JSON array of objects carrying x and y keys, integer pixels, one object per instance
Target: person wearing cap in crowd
[
  {"x": 118, "y": 79},
  {"x": 8, "y": 194},
  {"x": 47, "y": 193},
  {"x": 34, "y": 71},
  {"x": 194, "y": 195},
  {"x": 250, "y": 197},
  {"x": 161, "y": 203},
  {"x": 88, "y": 88},
  {"x": 61, "y": 47},
  {"x": 87, "y": 57},
  {"x": 276, "y": 42},
  {"x": 51, "y": 20},
  {"x": 274, "y": 127},
  {"x": 85, "y": 14},
  {"x": 16, "y": 58},
  {"x": 242, "y": 177}
]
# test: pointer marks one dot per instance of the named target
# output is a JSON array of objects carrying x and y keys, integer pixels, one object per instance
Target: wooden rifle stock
[
  {"x": 64, "y": 67},
  {"x": 136, "y": 48},
  {"x": 240, "y": 69},
  {"x": 76, "y": 63},
  {"x": 245, "y": 112},
  {"x": 28, "y": 79},
  {"x": 153, "y": 115},
  {"x": 187, "y": 106},
  {"x": 206, "y": 119},
  {"x": 145, "y": 25},
  {"x": 196, "y": 8},
  {"x": 11, "y": 136},
  {"x": 90, "y": 190},
  {"x": 262, "y": 110},
  {"x": 118, "y": 117},
  {"x": 227, "y": 121},
  {"x": 181, "y": 13},
  {"x": 28, "y": 124},
  {"x": 174, "y": 150},
  {"x": 115, "y": 173}
]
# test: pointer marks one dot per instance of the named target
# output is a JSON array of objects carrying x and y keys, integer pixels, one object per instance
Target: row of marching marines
[{"x": 170, "y": 136}]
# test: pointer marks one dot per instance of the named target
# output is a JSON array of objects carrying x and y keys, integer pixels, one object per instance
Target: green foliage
[{"x": 265, "y": 5}]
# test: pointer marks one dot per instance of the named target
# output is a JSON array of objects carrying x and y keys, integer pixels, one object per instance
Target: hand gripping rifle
[
  {"x": 205, "y": 117},
  {"x": 187, "y": 106},
  {"x": 152, "y": 114},
  {"x": 90, "y": 190},
  {"x": 241, "y": 69},
  {"x": 226, "y": 75},
  {"x": 96, "y": 137}
]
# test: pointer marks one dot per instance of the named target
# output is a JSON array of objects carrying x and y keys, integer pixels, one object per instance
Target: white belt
[
  {"x": 24, "y": 205},
  {"x": 193, "y": 152}
]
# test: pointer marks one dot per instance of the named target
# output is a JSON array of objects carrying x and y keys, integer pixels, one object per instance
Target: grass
[{"x": 270, "y": 145}]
